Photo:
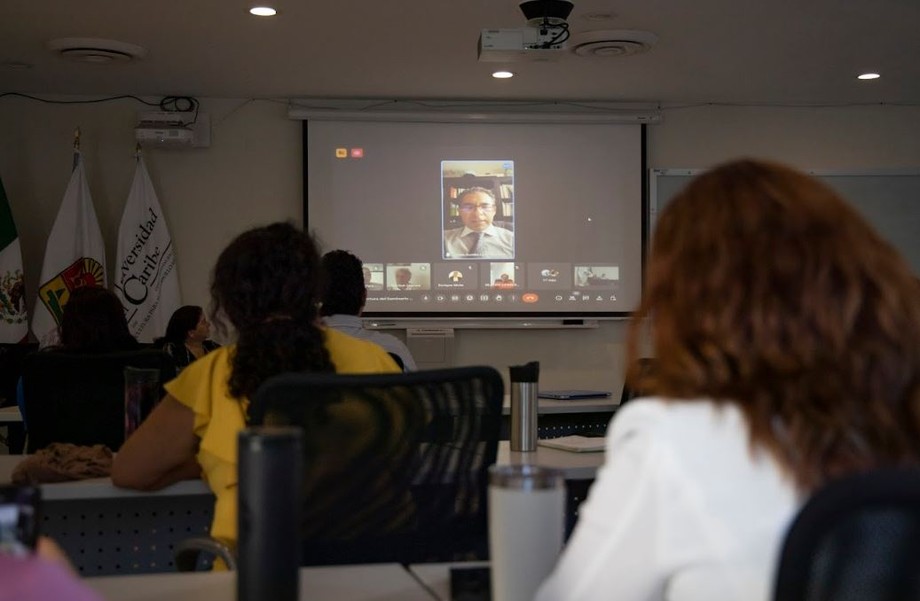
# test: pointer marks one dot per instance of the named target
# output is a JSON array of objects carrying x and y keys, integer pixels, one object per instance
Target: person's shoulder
[
  {"x": 678, "y": 419},
  {"x": 355, "y": 354},
  {"x": 213, "y": 360}
]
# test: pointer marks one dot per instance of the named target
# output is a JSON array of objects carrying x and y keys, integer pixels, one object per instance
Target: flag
[
  {"x": 14, "y": 326},
  {"x": 146, "y": 281},
  {"x": 74, "y": 256}
]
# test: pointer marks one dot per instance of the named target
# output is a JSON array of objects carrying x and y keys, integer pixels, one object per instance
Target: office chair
[
  {"x": 80, "y": 398},
  {"x": 855, "y": 539},
  {"x": 12, "y": 356},
  {"x": 395, "y": 465}
]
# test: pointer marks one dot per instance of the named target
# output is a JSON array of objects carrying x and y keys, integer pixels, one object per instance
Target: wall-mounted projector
[
  {"x": 173, "y": 129},
  {"x": 523, "y": 44}
]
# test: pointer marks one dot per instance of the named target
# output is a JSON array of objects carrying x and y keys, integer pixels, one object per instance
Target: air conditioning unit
[{"x": 173, "y": 129}]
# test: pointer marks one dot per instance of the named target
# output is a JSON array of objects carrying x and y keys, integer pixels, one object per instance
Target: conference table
[
  {"x": 565, "y": 417},
  {"x": 378, "y": 582},
  {"x": 109, "y": 530}
]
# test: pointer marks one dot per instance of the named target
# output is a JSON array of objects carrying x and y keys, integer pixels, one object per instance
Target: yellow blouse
[{"x": 202, "y": 387}]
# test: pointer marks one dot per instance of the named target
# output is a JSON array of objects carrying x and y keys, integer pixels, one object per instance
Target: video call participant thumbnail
[
  {"x": 479, "y": 238},
  {"x": 409, "y": 276}
]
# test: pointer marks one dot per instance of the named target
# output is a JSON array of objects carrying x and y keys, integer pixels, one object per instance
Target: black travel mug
[{"x": 270, "y": 474}]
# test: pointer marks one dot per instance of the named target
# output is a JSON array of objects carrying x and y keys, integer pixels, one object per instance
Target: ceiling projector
[{"x": 542, "y": 40}]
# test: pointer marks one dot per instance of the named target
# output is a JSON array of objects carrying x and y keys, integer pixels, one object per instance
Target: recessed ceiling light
[
  {"x": 503, "y": 74},
  {"x": 868, "y": 76},
  {"x": 263, "y": 11}
]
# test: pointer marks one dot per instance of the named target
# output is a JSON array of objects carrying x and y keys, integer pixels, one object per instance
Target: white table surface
[
  {"x": 436, "y": 576},
  {"x": 10, "y": 414},
  {"x": 551, "y": 406},
  {"x": 378, "y": 582},
  {"x": 98, "y": 488},
  {"x": 575, "y": 466}
]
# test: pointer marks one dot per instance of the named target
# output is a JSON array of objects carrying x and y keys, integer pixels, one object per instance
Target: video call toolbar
[{"x": 491, "y": 282}]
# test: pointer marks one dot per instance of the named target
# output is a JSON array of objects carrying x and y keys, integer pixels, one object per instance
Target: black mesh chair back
[
  {"x": 396, "y": 465},
  {"x": 856, "y": 539},
  {"x": 80, "y": 398}
]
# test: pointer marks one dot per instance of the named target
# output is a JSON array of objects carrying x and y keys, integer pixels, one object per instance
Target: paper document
[{"x": 575, "y": 443}]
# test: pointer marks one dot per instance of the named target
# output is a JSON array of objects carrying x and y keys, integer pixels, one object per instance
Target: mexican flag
[
  {"x": 14, "y": 321},
  {"x": 74, "y": 256}
]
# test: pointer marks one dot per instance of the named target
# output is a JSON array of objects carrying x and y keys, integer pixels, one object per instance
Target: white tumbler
[{"x": 526, "y": 523}]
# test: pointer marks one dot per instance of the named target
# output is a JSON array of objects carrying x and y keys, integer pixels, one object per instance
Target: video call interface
[{"x": 476, "y": 219}]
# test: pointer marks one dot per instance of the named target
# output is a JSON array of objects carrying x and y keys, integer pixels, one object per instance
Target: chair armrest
[{"x": 189, "y": 550}]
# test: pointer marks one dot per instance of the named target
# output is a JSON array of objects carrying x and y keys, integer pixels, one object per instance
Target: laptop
[{"x": 571, "y": 395}]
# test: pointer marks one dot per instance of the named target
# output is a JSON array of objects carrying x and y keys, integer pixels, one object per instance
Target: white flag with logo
[
  {"x": 74, "y": 256},
  {"x": 14, "y": 321},
  {"x": 146, "y": 279}
]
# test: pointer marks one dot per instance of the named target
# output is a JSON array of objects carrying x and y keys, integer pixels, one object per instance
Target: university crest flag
[
  {"x": 146, "y": 279},
  {"x": 14, "y": 322},
  {"x": 74, "y": 256}
]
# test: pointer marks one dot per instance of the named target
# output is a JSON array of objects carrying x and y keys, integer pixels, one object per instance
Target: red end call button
[{"x": 530, "y": 297}]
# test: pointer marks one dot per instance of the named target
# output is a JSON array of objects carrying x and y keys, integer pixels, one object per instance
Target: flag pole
[{"x": 76, "y": 147}]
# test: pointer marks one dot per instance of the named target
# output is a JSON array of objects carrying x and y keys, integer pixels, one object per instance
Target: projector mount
[{"x": 549, "y": 17}]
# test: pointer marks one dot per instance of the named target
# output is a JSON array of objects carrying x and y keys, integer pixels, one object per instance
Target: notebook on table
[
  {"x": 571, "y": 395},
  {"x": 575, "y": 443}
]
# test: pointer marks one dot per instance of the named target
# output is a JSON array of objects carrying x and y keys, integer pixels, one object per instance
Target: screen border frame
[{"x": 450, "y": 316}]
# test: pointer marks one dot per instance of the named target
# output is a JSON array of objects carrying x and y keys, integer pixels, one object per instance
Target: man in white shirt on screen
[
  {"x": 343, "y": 300},
  {"x": 478, "y": 238}
]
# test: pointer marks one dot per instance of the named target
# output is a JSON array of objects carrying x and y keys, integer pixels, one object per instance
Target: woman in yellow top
[{"x": 266, "y": 285}]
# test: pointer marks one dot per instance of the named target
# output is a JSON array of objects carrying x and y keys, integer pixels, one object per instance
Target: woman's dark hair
[
  {"x": 94, "y": 321},
  {"x": 266, "y": 285},
  {"x": 343, "y": 284},
  {"x": 768, "y": 292},
  {"x": 183, "y": 320}
]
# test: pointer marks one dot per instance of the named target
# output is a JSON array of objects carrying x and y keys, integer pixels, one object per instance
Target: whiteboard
[{"x": 889, "y": 200}]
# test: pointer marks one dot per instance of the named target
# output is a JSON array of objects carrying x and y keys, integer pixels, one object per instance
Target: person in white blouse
[{"x": 787, "y": 343}]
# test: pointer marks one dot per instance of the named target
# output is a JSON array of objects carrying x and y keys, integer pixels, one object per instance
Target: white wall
[{"x": 251, "y": 174}]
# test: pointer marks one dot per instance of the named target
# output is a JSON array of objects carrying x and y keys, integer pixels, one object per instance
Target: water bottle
[
  {"x": 270, "y": 474},
  {"x": 524, "y": 406}
]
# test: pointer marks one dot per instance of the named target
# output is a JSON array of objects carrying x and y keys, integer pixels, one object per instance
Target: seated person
[
  {"x": 186, "y": 336},
  {"x": 266, "y": 283},
  {"x": 343, "y": 301},
  {"x": 93, "y": 321},
  {"x": 792, "y": 359},
  {"x": 478, "y": 238}
]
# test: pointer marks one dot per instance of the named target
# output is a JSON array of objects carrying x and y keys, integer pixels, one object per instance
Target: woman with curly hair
[
  {"x": 787, "y": 341},
  {"x": 266, "y": 286}
]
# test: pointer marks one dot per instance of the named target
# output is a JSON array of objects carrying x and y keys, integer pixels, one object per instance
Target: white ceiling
[{"x": 726, "y": 51}]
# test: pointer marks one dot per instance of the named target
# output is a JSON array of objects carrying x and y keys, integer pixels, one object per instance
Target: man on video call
[{"x": 478, "y": 238}]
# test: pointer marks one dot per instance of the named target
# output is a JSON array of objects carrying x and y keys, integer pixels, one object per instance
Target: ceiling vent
[
  {"x": 95, "y": 50},
  {"x": 605, "y": 44}
]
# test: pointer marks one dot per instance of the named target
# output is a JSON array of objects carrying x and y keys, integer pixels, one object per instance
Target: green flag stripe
[{"x": 7, "y": 227}]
